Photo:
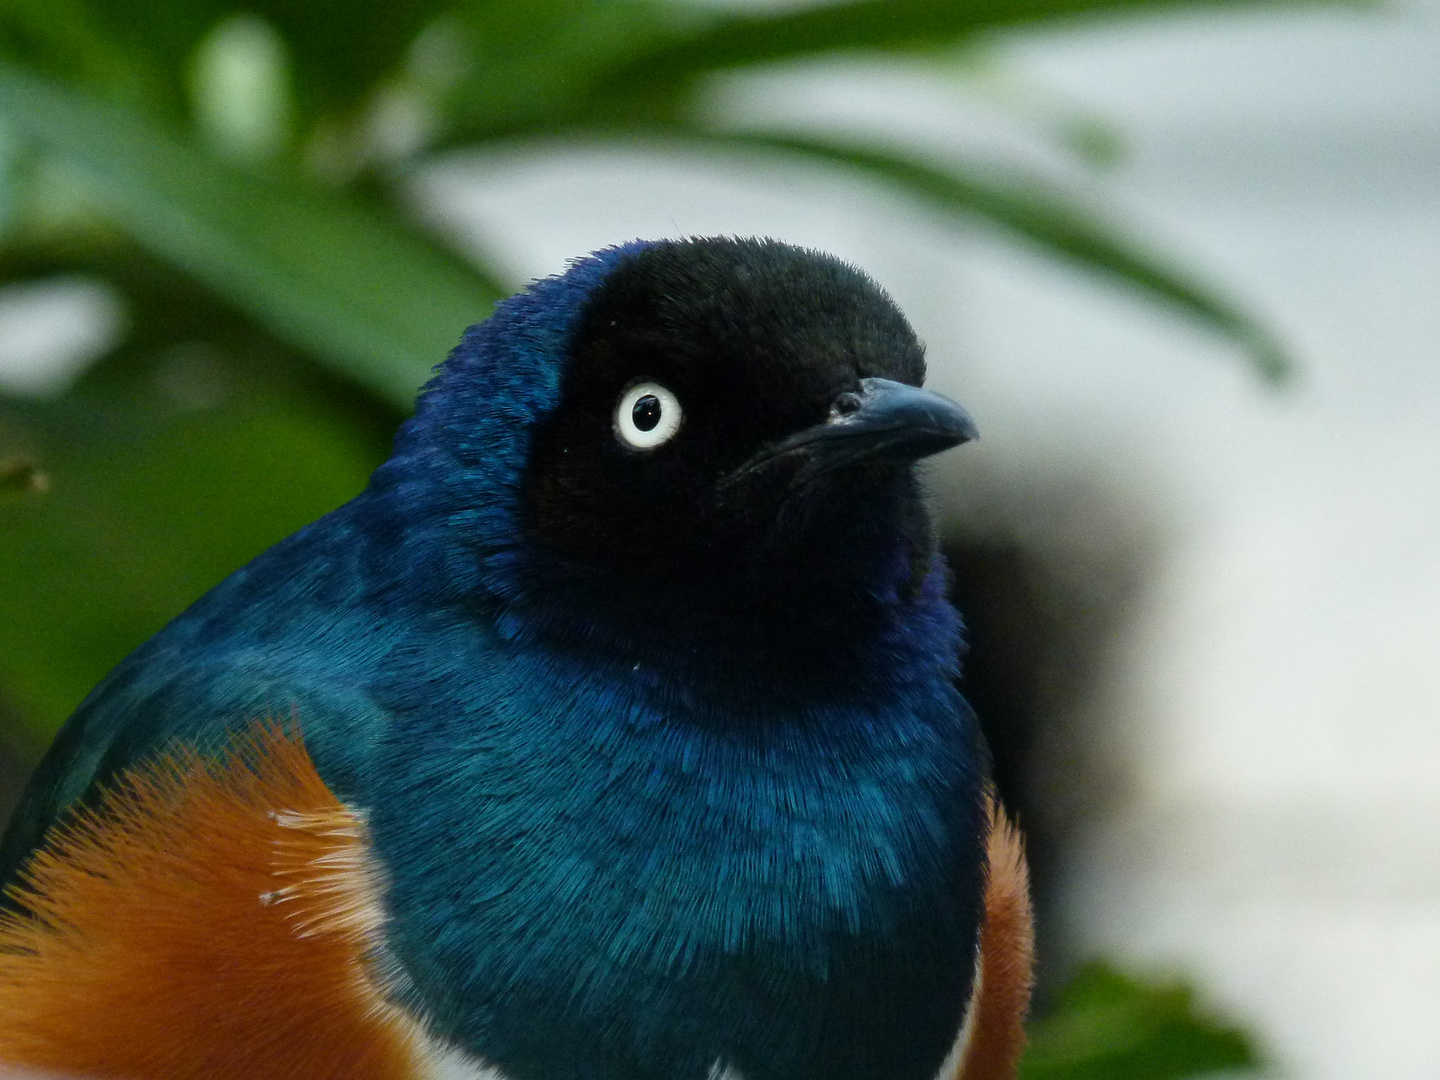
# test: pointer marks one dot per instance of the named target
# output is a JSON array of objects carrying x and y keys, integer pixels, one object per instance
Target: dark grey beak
[{"x": 884, "y": 421}]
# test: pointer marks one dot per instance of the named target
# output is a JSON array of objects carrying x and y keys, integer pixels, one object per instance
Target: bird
[{"x": 611, "y": 733}]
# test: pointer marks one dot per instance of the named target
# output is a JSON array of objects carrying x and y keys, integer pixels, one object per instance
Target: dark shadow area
[
  {"x": 1046, "y": 570},
  {"x": 15, "y": 762}
]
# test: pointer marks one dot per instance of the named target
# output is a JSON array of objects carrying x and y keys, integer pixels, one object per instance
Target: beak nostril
[{"x": 845, "y": 405}]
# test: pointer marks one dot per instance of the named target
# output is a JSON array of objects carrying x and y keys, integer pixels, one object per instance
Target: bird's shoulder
[{"x": 161, "y": 698}]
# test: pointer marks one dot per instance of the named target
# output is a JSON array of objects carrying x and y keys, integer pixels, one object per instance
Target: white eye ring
[{"x": 661, "y": 412}]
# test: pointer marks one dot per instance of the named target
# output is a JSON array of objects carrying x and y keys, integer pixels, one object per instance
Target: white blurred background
[{"x": 1267, "y": 724}]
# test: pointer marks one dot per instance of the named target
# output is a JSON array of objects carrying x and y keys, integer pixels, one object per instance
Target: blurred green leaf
[
  {"x": 20, "y": 475},
  {"x": 740, "y": 39},
  {"x": 1042, "y": 211},
  {"x": 1108, "y": 1027},
  {"x": 339, "y": 48},
  {"x": 550, "y": 65},
  {"x": 360, "y": 291},
  {"x": 65, "y": 38},
  {"x": 149, "y": 506},
  {"x": 12, "y": 163},
  {"x": 543, "y": 65}
]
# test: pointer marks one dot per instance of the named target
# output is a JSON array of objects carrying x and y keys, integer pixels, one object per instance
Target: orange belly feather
[
  {"x": 209, "y": 920},
  {"x": 993, "y": 1037}
]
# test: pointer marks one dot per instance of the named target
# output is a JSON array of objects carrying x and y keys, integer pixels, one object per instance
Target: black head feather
[{"x": 757, "y": 340}]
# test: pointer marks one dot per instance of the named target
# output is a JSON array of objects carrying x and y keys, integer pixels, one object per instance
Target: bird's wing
[
  {"x": 211, "y": 918},
  {"x": 153, "y": 701}
]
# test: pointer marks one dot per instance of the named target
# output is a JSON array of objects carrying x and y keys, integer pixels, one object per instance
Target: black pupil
[{"x": 646, "y": 413}]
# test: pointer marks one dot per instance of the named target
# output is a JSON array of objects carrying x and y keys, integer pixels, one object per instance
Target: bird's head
[{"x": 691, "y": 430}]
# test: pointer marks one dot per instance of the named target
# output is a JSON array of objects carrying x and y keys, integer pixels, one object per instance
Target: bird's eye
[{"x": 647, "y": 415}]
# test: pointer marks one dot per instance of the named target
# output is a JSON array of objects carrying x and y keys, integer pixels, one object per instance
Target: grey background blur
[{"x": 1265, "y": 727}]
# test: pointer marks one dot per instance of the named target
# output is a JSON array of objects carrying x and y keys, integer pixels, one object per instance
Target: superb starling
[{"x": 610, "y": 734}]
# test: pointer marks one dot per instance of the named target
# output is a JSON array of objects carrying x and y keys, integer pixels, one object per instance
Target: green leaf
[
  {"x": 1042, "y": 211},
  {"x": 65, "y": 38},
  {"x": 868, "y": 25},
  {"x": 358, "y": 290},
  {"x": 20, "y": 475},
  {"x": 149, "y": 505},
  {"x": 1108, "y": 1027},
  {"x": 340, "y": 48},
  {"x": 542, "y": 64}
]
